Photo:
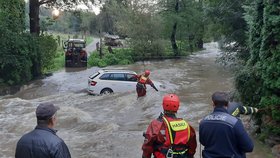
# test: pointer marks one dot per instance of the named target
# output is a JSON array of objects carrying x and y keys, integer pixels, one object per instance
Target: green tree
[
  {"x": 248, "y": 81},
  {"x": 269, "y": 59},
  {"x": 34, "y": 6},
  {"x": 143, "y": 27},
  {"x": 183, "y": 21},
  {"x": 258, "y": 84},
  {"x": 14, "y": 62},
  {"x": 225, "y": 22}
]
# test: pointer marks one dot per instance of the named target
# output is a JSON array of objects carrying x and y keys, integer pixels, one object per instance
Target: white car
[{"x": 107, "y": 81}]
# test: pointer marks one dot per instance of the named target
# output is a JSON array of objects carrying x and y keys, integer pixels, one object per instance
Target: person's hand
[{"x": 256, "y": 110}]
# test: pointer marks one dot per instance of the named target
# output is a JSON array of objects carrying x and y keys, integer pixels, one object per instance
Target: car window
[
  {"x": 94, "y": 75},
  {"x": 118, "y": 76},
  {"x": 131, "y": 77},
  {"x": 105, "y": 76}
]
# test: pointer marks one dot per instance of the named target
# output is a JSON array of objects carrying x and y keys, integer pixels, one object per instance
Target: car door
[
  {"x": 118, "y": 82},
  {"x": 131, "y": 82}
]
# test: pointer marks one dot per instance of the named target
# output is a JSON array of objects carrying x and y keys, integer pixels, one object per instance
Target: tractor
[{"x": 75, "y": 54}]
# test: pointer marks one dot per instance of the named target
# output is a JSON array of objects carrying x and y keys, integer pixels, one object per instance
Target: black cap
[{"x": 45, "y": 111}]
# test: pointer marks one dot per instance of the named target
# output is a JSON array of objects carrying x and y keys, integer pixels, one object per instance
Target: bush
[
  {"x": 47, "y": 49},
  {"x": 120, "y": 57}
]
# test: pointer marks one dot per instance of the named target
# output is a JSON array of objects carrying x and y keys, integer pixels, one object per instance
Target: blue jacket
[
  {"x": 223, "y": 136},
  {"x": 42, "y": 142}
]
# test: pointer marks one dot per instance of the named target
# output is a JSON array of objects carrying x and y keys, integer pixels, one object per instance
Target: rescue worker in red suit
[
  {"x": 169, "y": 136},
  {"x": 143, "y": 79}
]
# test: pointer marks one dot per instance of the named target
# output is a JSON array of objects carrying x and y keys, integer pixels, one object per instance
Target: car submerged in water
[
  {"x": 75, "y": 55},
  {"x": 107, "y": 81}
]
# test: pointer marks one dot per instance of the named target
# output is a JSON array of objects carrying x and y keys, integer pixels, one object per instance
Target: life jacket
[
  {"x": 143, "y": 79},
  {"x": 177, "y": 133}
]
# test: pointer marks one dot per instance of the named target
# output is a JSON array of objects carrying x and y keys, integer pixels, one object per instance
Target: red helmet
[
  {"x": 171, "y": 102},
  {"x": 147, "y": 72}
]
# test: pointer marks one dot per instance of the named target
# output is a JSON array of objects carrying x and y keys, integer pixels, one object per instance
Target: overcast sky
[{"x": 94, "y": 9}]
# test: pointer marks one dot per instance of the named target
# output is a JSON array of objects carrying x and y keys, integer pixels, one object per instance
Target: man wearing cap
[
  {"x": 43, "y": 142},
  {"x": 222, "y": 134}
]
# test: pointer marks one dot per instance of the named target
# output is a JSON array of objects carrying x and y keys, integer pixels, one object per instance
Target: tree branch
[{"x": 45, "y": 1}]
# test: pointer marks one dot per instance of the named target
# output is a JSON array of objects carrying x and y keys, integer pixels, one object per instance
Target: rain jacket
[
  {"x": 223, "y": 136},
  {"x": 157, "y": 139},
  {"x": 141, "y": 85},
  {"x": 42, "y": 142}
]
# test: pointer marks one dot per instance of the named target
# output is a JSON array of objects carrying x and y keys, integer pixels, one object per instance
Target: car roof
[
  {"x": 76, "y": 40},
  {"x": 116, "y": 71}
]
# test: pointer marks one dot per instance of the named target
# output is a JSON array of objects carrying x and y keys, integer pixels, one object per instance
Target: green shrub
[
  {"x": 120, "y": 57},
  {"x": 102, "y": 63}
]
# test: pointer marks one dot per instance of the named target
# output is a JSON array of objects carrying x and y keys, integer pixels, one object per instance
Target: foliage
[
  {"x": 259, "y": 83},
  {"x": 120, "y": 57},
  {"x": 270, "y": 57},
  {"x": 12, "y": 15},
  {"x": 19, "y": 50},
  {"x": 225, "y": 22},
  {"x": 14, "y": 62},
  {"x": 249, "y": 35},
  {"x": 144, "y": 32},
  {"x": 189, "y": 20},
  {"x": 58, "y": 62},
  {"x": 47, "y": 47}
]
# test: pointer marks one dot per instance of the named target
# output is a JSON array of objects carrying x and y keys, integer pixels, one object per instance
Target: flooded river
[{"x": 112, "y": 126}]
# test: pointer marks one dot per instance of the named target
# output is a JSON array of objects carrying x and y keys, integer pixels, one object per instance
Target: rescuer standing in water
[
  {"x": 169, "y": 136},
  {"x": 142, "y": 80}
]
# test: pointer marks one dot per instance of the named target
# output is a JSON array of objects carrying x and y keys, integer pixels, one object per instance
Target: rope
[{"x": 200, "y": 150}]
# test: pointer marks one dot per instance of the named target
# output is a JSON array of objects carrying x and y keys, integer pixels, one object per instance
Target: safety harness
[
  {"x": 143, "y": 79},
  {"x": 173, "y": 127}
]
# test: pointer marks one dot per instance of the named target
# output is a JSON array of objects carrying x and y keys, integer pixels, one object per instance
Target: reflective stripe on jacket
[{"x": 235, "y": 109}]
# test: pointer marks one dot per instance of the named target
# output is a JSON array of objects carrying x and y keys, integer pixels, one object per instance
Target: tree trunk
[
  {"x": 35, "y": 30},
  {"x": 34, "y": 17},
  {"x": 173, "y": 40},
  {"x": 200, "y": 43},
  {"x": 174, "y": 31}
]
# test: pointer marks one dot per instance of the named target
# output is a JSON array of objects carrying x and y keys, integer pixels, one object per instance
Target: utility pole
[{"x": 100, "y": 48}]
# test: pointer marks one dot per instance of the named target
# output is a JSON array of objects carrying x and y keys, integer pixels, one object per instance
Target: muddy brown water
[{"x": 112, "y": 126}]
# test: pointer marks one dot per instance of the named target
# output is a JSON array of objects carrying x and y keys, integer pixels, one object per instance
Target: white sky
[{"x": 93, "y": 8}]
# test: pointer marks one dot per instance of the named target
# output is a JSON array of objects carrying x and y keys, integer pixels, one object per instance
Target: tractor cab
[{"x": 75, "y": 54}]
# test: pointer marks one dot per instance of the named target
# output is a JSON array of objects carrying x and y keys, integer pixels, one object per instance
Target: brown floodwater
[{"x": 111, "y": 126}]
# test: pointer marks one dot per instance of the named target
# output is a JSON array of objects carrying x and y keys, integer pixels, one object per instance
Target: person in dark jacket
[
  {"x": 43, "y": 142},
  {"x": 237, "y": 109},
  {"x": 169, "y": 136},
  {"x": 222, "y": 134}
]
